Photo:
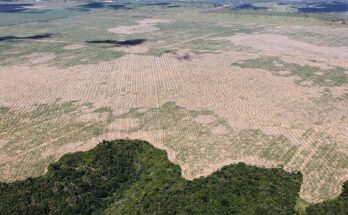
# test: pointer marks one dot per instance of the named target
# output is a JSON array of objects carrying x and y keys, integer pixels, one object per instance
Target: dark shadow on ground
[
  {"x": 173, "y": 6},
  {"x": 133, "y": 42},
  {"x": 87, "y": 7},
  {"x": 99, "y": 5},
  {"x": 93, "y": 5},
  {"x": 118, "y": 7},
  {"x": 12, "y": 8},
  {"x": 33, "y": 37},
  {"x": 324, "y": 7},
  {"x": 162, "y": 4},
  {"x": 158, "y": 4},
  {"x": 249, "y": 7}
]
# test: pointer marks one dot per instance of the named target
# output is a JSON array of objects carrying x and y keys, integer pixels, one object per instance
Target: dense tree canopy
[{"x": 132, "y": 177}]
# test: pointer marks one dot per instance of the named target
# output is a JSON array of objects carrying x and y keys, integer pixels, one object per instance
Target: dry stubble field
[{"x": 211, "y": 88}]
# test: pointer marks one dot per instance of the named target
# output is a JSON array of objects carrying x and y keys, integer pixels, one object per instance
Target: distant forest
[{"x": 132, "y": 177}]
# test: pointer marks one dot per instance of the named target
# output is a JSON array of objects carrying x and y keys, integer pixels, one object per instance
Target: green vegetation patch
[
  {"x": 4, "y": 110},
  {"x": 311, "y": 74},
  {"x": 9, "y": 19},
  {"x": 107, "y": 110},
  {"x": 195, "y": 35},
  {"x": 132, "y": 177},
  {"x": 103, "y": 110},
  {"x": 34, "y": 136},
  {"x": 158, "y": 52},
  {"x": 328, "y": 98},
  {"x": 301, "y": 206},
  {"x": 89, "y": 55}
]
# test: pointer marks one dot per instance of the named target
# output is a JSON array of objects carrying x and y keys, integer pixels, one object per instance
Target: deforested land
[{"x": 211, "y": 83}]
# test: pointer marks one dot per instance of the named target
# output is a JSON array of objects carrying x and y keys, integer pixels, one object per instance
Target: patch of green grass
[
  {"x": 88, "y": 104},
  {"x": 20, "y": 55},
  {"x": 158, "y": 52},
  {"x": 47, "y": 127},
  {"x": 11, "y": 19},
  {"x": 279, "y": 150},
  {"x": 301, "y": 206},
  {"x": 49, "y": 110},
  {"x": 4, "y": 110},
  {"x": 103, "y": 110},
  {"x": 88, "y": 55},
  {"x": 207, "y": 44},
  {"x": 264, "y": 17},
  {"x": 329, "y": 77}
]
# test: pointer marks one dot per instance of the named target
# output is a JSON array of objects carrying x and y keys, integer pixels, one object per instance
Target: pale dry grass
[
  {"x": 123, "y": 124},
  {"x": 205, "y": 119},
  {"x": 37, "y": 58},
  {"x": 74, "y": 46},
  {"x": 140, "y": 49},
  {"x": 219, "y": 130},
  {"x": 283, "y": 45},
  {"x": 143, "y": 26}
]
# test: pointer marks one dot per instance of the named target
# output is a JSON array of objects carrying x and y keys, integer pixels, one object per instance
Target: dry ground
[
  {"x": 143, "y": 26},
  {"x": 214, "y": 109}
]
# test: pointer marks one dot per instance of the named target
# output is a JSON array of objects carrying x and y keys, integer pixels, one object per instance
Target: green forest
[{"x": 133, "y": 177}]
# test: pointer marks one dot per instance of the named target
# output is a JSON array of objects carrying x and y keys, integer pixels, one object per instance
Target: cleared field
[{"x": 210, "y": 88}]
